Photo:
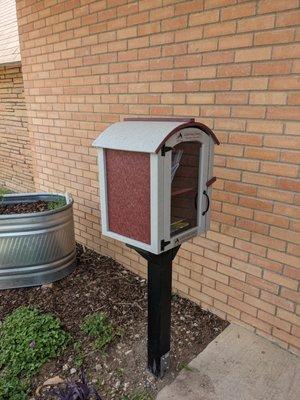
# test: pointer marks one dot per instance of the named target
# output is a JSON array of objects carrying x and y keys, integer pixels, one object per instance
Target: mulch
[
  {"x": 24, "y": 208},
  {"x": 100, "y": 284}
]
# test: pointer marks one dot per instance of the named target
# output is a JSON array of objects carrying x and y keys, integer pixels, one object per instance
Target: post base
[
  {"x": 159, "y": 309},
  {"x": 159, "y": 366}
]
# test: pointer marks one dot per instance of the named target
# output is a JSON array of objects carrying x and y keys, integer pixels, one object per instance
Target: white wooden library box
[{"x": 155, "y": 181}]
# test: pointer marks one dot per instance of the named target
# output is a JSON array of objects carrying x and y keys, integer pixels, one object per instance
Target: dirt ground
[
  {"x": 24, "y": 208},
  {"x": 99, "y": 284}
]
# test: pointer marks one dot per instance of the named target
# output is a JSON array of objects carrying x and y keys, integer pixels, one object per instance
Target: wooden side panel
[{"x": 128, "y": 194}]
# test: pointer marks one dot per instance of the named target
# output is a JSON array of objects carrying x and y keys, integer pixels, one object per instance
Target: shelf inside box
[
  {"x": 178, "y": 226},
  {"x": 178, "y": 192}
]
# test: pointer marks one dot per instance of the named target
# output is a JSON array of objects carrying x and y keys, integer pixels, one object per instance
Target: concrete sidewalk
[{"x": 238, "y": 365}]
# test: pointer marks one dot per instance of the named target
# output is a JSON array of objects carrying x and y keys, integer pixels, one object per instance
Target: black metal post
[
  {"x": 159, "y": 309},
  {"x": 159, "y": 312}
]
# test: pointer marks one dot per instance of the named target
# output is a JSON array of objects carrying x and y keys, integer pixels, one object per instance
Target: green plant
[
  {"x": 28, "y": 339},
  {"x": 3, "y": 191},
  {"x": 79, "y": 358},
  {"x": 138, "y": 395},
  {"x": 175, "y": 296},
  {"x": 120, "y": 372},
  {"x": 54, "y": 205},
  {"x": 98, "y": 327},
  {"x": 186, "y": 367},
  {"x": 12, "y": 388}
]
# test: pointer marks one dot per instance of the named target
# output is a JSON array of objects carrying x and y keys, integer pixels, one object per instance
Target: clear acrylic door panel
[{"x": 184, "y": 186}]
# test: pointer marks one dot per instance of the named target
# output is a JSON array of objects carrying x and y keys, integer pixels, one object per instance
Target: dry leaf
[{"x": 49, "y": 382}]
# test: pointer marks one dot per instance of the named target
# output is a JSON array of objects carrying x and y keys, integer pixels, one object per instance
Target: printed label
[{"x": 186, "y": 136}]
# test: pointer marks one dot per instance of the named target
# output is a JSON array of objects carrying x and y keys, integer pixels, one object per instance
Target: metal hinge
[
  {"x": 165, "y": 149},
  {"x": 164, "y": 244}
]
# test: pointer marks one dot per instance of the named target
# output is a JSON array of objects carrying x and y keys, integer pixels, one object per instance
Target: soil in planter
[
  {"x": 34, "y": 207},
  {"x": 100, "y": 284}
]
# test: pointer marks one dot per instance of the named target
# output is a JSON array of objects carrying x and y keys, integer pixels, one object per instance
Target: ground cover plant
[
  {"x": 100, "y": 329},
  {"x": 54, "y": 205},
  {"x": 28, "y": 339},
  {"x": 101, "y": 294}
]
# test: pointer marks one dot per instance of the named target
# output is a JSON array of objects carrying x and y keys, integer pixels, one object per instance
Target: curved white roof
[{"x": 145, "y": 136}]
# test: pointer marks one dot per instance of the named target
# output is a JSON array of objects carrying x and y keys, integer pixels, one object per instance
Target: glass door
[{"x": 184, "y": 186}]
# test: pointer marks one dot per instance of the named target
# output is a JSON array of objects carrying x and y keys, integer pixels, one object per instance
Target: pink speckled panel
[{"x": 128, "y": 194}]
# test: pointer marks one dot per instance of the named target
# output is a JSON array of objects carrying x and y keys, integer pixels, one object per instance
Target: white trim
[
  {"x": 103, "y": 191},
  {"x": 155, "y": 194},
  {"x": 203, "y": 169},
  {"x": 209, "y": 189},
  {"x": 167, "y": 195},
  {"x": 127, "y": 240},
  {"x": 183, "y": 237},
  {"x": 104, "y": 208},
  {"x": 187, "y": 135}
]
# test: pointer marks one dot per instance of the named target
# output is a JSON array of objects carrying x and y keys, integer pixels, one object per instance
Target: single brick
[{"x": 204, "y": 17}]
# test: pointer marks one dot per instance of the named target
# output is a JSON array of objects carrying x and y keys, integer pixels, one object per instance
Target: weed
[
  {"x": 186, "y": 367},
  {"x": 138, "y": 395},
  {"x": 120, "y": 372},
  {"x": 175, "y": 296},
  {"x": 98, "y": 327},
  {"x": 54, "y": 205},
  {"x": 28, "y": 339},
  {"x": 79, "y": 355},
  {"x": 3, "y": 191}
]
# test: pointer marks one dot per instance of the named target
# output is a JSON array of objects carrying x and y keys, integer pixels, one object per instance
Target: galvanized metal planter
[{"x": 36, "y": 248}]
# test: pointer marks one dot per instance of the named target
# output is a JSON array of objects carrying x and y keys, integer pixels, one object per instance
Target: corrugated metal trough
[{"x": 36, "y": 248}]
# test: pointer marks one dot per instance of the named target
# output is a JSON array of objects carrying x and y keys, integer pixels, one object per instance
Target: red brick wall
[
  {"x": 233, "y": 65},
  {"x": 15, "y": 148}
]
